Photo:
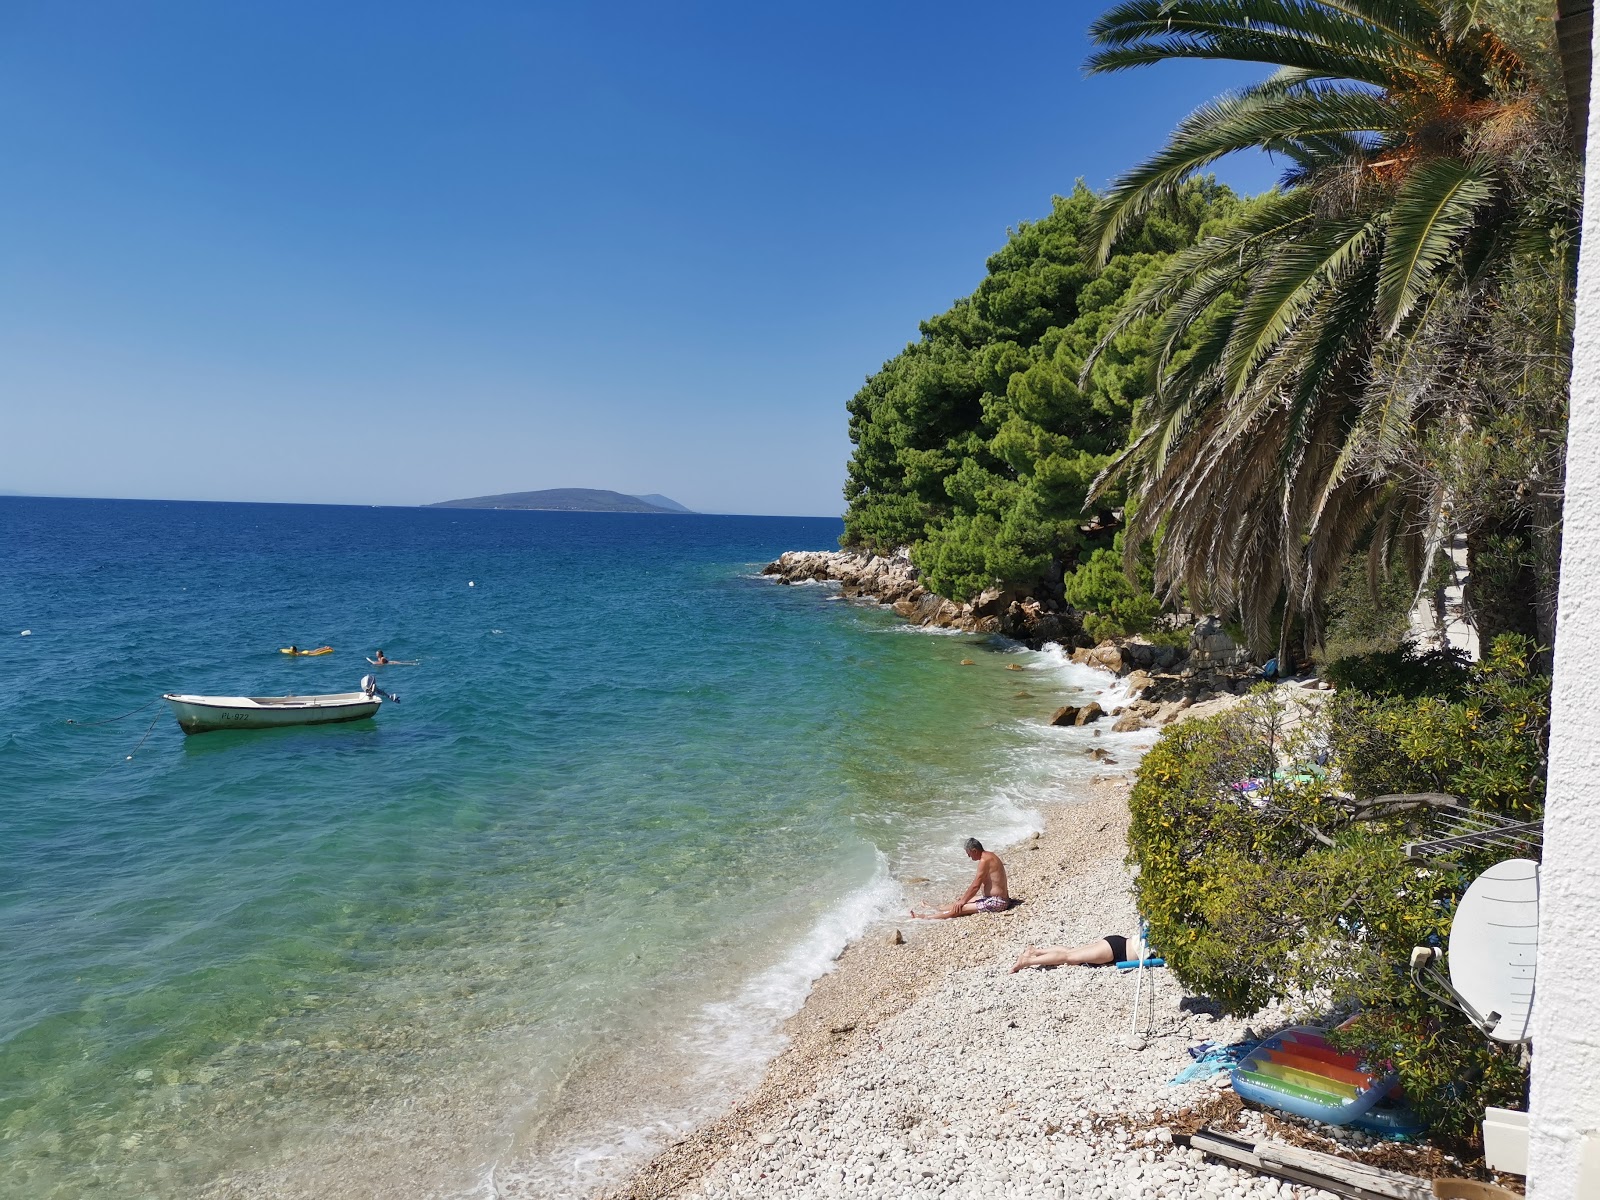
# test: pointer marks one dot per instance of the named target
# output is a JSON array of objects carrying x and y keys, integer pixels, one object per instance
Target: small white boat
[{"x": 205, "y": 714}]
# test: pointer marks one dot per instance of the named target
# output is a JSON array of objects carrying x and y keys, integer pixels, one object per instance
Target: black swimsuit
[{"x": 1119, "y": 947}]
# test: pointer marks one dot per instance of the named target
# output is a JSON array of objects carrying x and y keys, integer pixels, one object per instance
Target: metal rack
[
  {"x": 1471, "y": 830},
  {"x": 1459, "y": 827}
]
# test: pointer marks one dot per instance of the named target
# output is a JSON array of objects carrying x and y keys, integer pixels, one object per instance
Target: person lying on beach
[
  {"x": 1113, "y": 948},
  {"x": 986, "y": 893}
]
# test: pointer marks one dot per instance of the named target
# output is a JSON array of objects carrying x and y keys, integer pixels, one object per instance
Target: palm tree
[{"x": 1301, "y": 372}]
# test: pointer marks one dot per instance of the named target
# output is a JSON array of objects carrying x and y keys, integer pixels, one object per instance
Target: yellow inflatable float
[{"x": 295, "y": 650}]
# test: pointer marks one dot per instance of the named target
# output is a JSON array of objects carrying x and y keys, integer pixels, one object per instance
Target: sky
[{"x": 394, "y": 253}]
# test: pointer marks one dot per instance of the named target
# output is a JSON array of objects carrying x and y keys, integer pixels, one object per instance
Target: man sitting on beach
[
  {"x": 985, "y": 894},
  {"x": 1101, "y": 952}
]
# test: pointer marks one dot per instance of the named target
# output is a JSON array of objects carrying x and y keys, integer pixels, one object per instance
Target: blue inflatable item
[
  {"x": 1134, "y": 963},
  {"x": 1297, "y": 1071},
  {"x": 1391, "y": 1118}
]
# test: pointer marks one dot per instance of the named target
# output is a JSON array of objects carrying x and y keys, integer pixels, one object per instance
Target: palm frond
[
  {"x": 1432, "y": 212},
  {"x": 1328, "y": 40},
  {"x": 1240, "y": 122},
  {"x": 1285, "y": 288}
]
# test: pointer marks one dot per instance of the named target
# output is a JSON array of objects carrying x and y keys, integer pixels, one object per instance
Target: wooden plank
[
  {"x": 1353, "y": 1180},
  {"x": 1373, "y": 1179},
  {"x": 1239, "y": 1154}
]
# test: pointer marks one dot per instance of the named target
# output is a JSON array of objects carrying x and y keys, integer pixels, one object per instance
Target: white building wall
[{"x": 1564, "y": 1108}]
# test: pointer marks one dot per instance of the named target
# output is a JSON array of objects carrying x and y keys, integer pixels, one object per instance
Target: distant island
[{"x": 570, "y": 500}]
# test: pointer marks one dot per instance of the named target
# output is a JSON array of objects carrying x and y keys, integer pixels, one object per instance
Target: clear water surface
[{"x": 632, "y": 800}]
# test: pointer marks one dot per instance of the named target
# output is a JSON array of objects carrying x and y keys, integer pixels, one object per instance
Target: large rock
[
  {"x": 1126, "y": 656},
  {"x": 1141, "y": 654},
  {"x": 1106, "y": 656},
  {"x": 1066, "y": 715},
  {"x": 992, "y": 603},
  {"x": 1210, "y": 645},
  {"x": 1128, "y": 724},
  {"x": 1088, "y": 714},
  {"x": 1136, "y": 683}
]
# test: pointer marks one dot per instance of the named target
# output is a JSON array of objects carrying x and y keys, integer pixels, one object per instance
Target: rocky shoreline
[
  {"x": 1198, "y": 663},
  {"x": 893, "y": 580}
]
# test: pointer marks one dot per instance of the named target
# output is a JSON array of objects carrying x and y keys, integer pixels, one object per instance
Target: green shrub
[
  {"x": 971, "y": 553},
  {"x": 1370, "y": 611},
  {"x": 1284, "y": 895},
  {"x": 1113, "y": 605},
  {"x": 1482, "y": 736},
  {"x": 1403, "y": 671}
]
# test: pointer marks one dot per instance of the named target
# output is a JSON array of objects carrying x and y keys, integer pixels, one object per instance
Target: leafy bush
[
  {"x": 969, "y": 553},
  {"x": 1483, "y": 736},
  {"x": 1294, "y": 893},
  {"x": 1403, "y": 671},
  {"x": 1212, "y": 858},
  {"x": 1363, "y": 619}
]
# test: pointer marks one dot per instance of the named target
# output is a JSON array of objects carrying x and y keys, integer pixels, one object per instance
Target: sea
[{"x": 537, "y": 918}]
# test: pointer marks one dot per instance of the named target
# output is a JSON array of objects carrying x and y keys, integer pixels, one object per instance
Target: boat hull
[{"x": 209, "y": 714}]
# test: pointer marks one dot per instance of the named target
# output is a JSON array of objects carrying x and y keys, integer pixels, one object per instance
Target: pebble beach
[{"x": 921, "y": 1065}]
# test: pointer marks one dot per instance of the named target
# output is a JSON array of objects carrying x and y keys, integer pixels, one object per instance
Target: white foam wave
[
  {"x": 726, "y": 1043},
  {"x": 745, "y": 1030},
  {"x": 926, "y": 631}
]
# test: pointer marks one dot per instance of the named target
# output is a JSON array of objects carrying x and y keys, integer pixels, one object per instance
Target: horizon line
[{"x": 430, "y": 504}]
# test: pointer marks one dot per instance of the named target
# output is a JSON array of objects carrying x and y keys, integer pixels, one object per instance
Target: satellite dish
[{"x": 1494, "y": 946}]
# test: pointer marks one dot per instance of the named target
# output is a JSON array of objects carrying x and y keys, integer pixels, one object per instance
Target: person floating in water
[
  {"x": 380, "y": 661},
  {"x": 987, "y": 893},
  {"x": 1112, "y": 948}
]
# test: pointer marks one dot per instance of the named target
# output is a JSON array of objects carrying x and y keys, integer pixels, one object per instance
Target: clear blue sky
[{"x": 399, "y": 252}]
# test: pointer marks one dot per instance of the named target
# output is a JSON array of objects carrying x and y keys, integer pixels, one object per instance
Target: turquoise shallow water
[{"x": 631, "y": 801}]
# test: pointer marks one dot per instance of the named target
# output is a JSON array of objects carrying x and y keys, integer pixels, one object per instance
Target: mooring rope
[
  {"x": 136, "y": 749},
  {"x": 111, "y": 720},
  {"x": 145, "y": 738}
]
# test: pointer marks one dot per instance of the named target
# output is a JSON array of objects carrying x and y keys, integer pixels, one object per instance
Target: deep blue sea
[{"x": 533, "y": 918}]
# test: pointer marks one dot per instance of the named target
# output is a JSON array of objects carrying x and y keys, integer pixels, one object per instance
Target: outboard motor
[{"x": 369, "y": 685}]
